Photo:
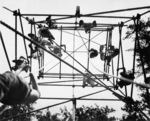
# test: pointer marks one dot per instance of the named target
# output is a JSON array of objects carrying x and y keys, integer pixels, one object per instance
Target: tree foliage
[
  {"x": 144, "y": 42},
  {"x": 135, "y": 112},
  {"x": 13, "y": 111},
  {"x": 140, "y": 110},
  {"x": 64, "y": 115},
  {"x": 82, "y": 114},
  {"x": 94, "y": 113}
]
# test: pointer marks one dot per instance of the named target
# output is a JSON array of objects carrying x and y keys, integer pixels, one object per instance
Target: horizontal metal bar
[
  {"x": 121, "y": 17},
  {"x": 91, "y": 14},
  {"x": 50, "y": 82},
  {"x": 69, "y": 15},
  {"x": 34, "y": 14},
  {"x": 77, "y": 27},
  {"x": 68, "y": 77},
  {"x": 59, "y": 77},
  {"x": 108, "y": 28},
  {"x": 71, "y": 74},
  {"x": 82, "y": 29},
  {"x": 107, "y": 24},
  {"x": 90, "y": 99},
  {"x": 70, "y": 51},
  {"x": 120, "y": 10},
  {"x": 72, "y": 23},
  {"x": 40, "y": 84}
]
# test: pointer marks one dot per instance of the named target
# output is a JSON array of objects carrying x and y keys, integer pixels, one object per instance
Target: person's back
[
  {"x": 18, "y": 89},
  {"x": 15, "y": 90}
]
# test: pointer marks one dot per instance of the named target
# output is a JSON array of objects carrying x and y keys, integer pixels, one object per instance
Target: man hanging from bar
[
  {"x": 87, "y": 26},
  {"x": 45, "y": 33},
  {"x": 93, "y": 53},
  {"x": 125, "y": 74},
  {"x": 50, "y": 22},
  {"x": 45, "y": 38},
  {"x": 35, "y": 50},
  {"x": 14, "y": 89},
  {"x": 109, "y": 53},
  {"x": 87, "y": 80},
  {"x": 57, "y": 49}
]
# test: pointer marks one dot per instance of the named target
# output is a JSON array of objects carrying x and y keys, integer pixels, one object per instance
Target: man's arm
[
  {"x": 35, "y": 93},
  {"x": 34, "y": 84},
  {"x": 23, "y": 68},
  {"x": 33, "y": 81}
]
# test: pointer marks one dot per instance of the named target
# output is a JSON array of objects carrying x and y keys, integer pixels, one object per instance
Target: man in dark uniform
[{"x": 15, "y": 89}]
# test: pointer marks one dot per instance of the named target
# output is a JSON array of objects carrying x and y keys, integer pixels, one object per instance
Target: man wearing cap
[
  {"x": 15, "y": 89},
  {"x": 35, "y": 50}
]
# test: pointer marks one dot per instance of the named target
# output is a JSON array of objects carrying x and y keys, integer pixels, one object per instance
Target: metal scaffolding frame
[{"x": 74, "y": 77}]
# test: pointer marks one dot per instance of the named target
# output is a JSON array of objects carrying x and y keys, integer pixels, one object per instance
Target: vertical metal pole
[
  {"x": 118, "y": 58},
  {"x": 88, "y": 49},
  {"x": 121, "y": 49},
  {"x": 105, "y": 64},
  {"x": 23, "y": 37},
  {"x": 135, "y": 43},
  {"x": 42, "y": 60},
  {"x": 15, "y": 13},
  {"x": 5, "y": 51},
  {"x": 73, "y": 62},
  {"x": 42, "y": 57},
  {"x": 31, "y": 53},
  {"x": 110, "y": 38},
  {"x": 74, "y": 109},
  {"x": 73, "y": 52},
  {"x": 73, "y": 96},
  {"x": 60, "y": 49},
  {"x": 142, "y": 63}
]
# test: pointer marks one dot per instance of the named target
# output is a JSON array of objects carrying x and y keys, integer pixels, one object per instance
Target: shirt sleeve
[{"x": 33, "y": 96}]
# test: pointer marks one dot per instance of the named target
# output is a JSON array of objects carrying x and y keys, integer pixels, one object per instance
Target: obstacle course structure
[{"x": 75, "y": 59}]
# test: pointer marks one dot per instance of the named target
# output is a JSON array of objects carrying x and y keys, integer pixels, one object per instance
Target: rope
[{"x": 122, "y": 78}]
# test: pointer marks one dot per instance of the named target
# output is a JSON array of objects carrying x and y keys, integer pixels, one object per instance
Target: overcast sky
[{"x": 67, "y": 7}]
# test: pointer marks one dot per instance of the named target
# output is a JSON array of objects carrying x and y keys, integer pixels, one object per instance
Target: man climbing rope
[{"x": 15, "y": 89}]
